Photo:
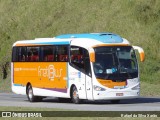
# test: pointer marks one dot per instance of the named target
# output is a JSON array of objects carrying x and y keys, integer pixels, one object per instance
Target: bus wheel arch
[
  {"x": 74, "y": 95},
  {"x": 28, "y": 84}
]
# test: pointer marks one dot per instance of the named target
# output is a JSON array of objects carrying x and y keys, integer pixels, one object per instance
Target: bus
[{"x": 76, "y": 67}]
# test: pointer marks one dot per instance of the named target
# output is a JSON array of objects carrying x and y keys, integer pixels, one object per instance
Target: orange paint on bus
[
  {"x": 110, "y": 83},
  {"x": 41, "y": 74}
]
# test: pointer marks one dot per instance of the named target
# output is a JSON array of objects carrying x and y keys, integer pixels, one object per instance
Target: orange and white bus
[{"x": 92, "y": 66}]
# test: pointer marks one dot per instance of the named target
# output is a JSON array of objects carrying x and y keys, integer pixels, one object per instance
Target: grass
[
  {"x": 5, "y": 85},
  {"x": 2, "y": 108},
  {"x": 149, "y": 90}
]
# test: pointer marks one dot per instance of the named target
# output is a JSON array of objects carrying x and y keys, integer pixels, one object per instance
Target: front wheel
[{"x": 75, "y": 96}]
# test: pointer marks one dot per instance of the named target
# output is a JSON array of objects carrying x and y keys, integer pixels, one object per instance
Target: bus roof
[
  {"x": 102, "y": 37},
  {"x": 85, "y": 40}
]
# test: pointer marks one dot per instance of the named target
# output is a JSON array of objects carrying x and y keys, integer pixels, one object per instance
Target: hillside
[{"x": 138, "y": 21}]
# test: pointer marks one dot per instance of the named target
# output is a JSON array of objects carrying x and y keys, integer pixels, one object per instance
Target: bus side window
[
  {"x": 77, "y": 57},
  {"x": 35, "y": 56},
  {"x": 48, "y": 53},
  {"x": 87, "y": 63},
  {"x": 14, "y": 54},
  {"x": 80, "y": 59},
  {"x": 62, "y": 53},
  {"x": 63, "y": 57},
  {"x": 28, "y": 56},
  {"x": 21, "y": 54},
  {"x": 32, "y": 54},
  {"x": 49, "y": 58}
]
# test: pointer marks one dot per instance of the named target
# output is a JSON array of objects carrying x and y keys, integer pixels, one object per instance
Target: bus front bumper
[{"x": 116, "y": 95}]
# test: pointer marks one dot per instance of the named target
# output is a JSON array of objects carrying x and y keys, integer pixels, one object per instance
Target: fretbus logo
[{"x": 49, "y": 72}]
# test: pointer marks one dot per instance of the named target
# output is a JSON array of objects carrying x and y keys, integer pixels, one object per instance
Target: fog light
[
  {"x": 97, "y": 88},
  {"x": 137, "y": 87}
]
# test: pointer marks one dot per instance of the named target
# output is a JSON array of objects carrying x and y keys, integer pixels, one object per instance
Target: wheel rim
[
  {"x": 30, "y": 93},
  {"x": 75, "y": 94}
]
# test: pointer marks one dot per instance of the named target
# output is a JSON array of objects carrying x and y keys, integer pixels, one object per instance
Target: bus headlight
[
  {"x": 137, "y": 87},
  {"x": 97, "y": 88}
]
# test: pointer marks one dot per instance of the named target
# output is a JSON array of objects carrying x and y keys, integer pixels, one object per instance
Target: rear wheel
[
  {"x": 31, "y": 96},
  {"x": 75, "y": 95}
]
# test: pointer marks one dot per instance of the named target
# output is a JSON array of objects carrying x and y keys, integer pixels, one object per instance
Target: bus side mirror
[
  {"x": 92, "y": 55},
  {"x": 141, "y": 53}
]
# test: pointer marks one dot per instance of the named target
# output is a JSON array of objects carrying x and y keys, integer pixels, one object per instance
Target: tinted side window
[
  {"x": 77, "y": 58},
  {"x": 15, "y": 54},
  {"x": 33, "y": 54},
  {"x": 48, "y": 53},
  {"x": 80, "y": 59},
  {"x": 19, "y": 54},
  {"x": 87, "y": 62},
  {"x": 62, "y": 53},
  {"x": 22, "y": 54}
]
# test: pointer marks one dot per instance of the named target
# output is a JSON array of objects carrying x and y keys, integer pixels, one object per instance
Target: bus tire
[
  {"x": 30, "y": 94},
  {"x": 75, "y": 96}
]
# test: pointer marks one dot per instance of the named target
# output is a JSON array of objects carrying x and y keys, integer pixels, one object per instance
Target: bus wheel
[
  {"x": 115, "y": 101},
  {"x": 75, "y": 95},
  {"x": 30, "y": 94}
]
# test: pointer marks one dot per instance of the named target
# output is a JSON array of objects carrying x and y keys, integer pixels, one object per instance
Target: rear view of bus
[{"x": 96, "y": 66}]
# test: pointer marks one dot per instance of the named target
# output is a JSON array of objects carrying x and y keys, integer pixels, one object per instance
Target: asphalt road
[{"x": 140, "y": 104}]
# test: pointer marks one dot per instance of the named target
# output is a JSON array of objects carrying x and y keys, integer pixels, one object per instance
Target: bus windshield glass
[{"x": 116, "y": 63}]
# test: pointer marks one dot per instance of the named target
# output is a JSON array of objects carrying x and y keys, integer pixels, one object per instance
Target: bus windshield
[{"x": 116, "y": 63}]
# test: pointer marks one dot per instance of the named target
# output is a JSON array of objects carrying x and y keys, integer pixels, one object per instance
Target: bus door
[
  {"x": 88, "y": 77},
  {"x": 80, "y": 61},
  {"x": 89, "y": 88}
]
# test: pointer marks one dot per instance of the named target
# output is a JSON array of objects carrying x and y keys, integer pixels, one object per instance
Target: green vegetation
[
  {"x": 29, "y": 109},
  {"x": 5, "y": 85},
  {"x": 138, "y": 21},
  {"x": 149, "y": 89}
]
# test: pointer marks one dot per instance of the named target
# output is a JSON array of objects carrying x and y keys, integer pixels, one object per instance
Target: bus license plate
[{"x": 119, "y": 94}]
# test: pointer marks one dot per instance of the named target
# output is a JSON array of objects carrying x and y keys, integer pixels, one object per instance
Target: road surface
[{"x": 140, "y": 104}]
